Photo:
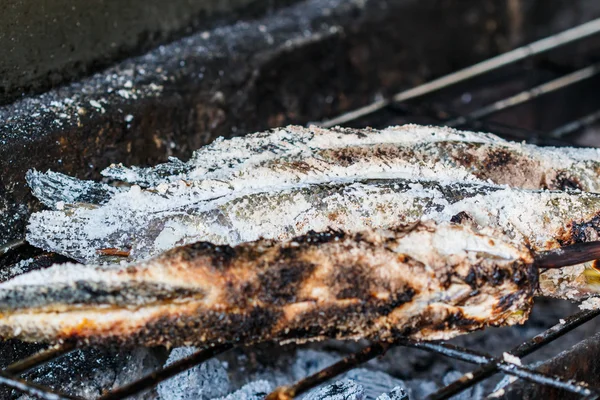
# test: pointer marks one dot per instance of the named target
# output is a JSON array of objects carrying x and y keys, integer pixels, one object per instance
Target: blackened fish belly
[{"x": 423, "y": 281}]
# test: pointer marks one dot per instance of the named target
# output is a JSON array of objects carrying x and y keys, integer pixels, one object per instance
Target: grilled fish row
[
  {"x": 230, "y": 187},
  {"x": 423, "y": 281},
  {"x": 544, "y": 219}
]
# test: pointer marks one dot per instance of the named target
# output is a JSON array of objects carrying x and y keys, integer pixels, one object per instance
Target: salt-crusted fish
[
  {"x": 295, "y": 156},
  {"x": 147, "y": 224},
  {"x": 423, "y": 282}
]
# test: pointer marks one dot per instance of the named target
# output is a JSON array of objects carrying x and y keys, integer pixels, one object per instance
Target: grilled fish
[
  {"x": 423, "y": 281},
  {"x": 543, "y": 219},
  {"x": 295, "y": 156}
]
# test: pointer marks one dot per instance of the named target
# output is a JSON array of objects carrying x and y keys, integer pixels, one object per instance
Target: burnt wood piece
[{"x": 304, "y": 62}]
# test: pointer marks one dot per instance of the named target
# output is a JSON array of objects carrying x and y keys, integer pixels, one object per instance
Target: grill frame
[{"x": 488, "y": 365}]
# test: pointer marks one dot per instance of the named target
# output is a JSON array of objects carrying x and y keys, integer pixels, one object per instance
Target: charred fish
[{"x": 423, "y": 282}]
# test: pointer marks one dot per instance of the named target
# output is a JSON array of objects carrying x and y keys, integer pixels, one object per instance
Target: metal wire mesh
[{"x": 488, "y": 365}]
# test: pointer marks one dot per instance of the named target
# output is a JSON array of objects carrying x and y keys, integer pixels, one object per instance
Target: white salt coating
[
  {"x": 224, "y": 159},
  {"x": 241, "y": 189},
  {"x": 15, "y": 270},
  {"x": 593, "y": 303},
  {"x": 353, "y": 206}
]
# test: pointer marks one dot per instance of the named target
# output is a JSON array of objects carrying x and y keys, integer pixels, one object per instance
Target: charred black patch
[
  {"x": 471, "y": 278},
  {"x": 316, "y": 238},
  {"x": 385, "y": 307},
  {"x": 210, "y": 327},
  {"x": 498, "y": 159},
  {"x": 508, "y": 300},
  {"x": 461, "y": 218},
  {"x": 281, "y": 282},
  {"x": 580, "y": 232},
  {"x": 564, "y": 181},
  {"x": 221, "y": 256}
]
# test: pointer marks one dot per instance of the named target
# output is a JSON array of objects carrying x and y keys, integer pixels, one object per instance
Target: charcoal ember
[
  {"x": 473, "y": 393},
  {"x": 397, "y": 393},
  {"x": 341, "y": 390},
  {"x": 374, "y": 383},
  {"x": 421, "y": 388},
  {"x": 310, "y": 361},
  {"x": 256, "y": 390},
  {"x": 88, "y": 373},
  {"x": 202, "y": 382}
]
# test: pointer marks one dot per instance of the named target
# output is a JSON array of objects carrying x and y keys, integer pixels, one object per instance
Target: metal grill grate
[{"x": 488, "y": 365}]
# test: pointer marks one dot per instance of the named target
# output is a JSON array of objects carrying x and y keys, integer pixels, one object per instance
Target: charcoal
[
  {"x": 397, "y": 393},
  {"x": 87, "y": 373},
  {"x": 473, "y": 393},
  {"x": 202, "y": 382},
  {"x": 341, "y": 390},
  {"x": 374, "y": 383},
  {"x": 256, "y": 390},
  {"x": 309, "y": 362}
]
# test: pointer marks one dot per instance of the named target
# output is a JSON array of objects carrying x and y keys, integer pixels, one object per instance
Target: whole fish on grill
[
  {"x": 422, "y": 281},
  {"x": 292, "y": 180},
  {"x": 295, "y": 167},
  {"x": 544, "y": 219}
]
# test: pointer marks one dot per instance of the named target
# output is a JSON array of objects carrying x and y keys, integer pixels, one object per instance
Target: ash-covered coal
[{"x": 88, "y": 373}]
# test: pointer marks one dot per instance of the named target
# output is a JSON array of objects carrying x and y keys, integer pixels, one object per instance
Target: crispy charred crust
[
  {"x": 580, "y": 231},
  {"x": 329, "y": 285}
]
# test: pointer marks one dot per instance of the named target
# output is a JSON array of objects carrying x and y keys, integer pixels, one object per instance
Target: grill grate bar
[
  {"x": 526, "y": 373},
  {"x": 576, "y": 125},
  {"x": 11, "y": 245},
  {"x": 34, "y": 389},
  {"x": 38, "y": 359},
  {"x": 336, "y": 369},
  {"x": 502, "y": 60},
  {"x": 154, "y": 378},
  {"x": 522, "y": 350},
  {"x": 527, "y": 95}
]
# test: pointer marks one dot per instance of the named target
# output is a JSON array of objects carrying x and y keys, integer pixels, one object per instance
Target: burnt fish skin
[{"x": 422, "y": 281}]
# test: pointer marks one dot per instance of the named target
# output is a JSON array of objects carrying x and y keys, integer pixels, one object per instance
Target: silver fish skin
[
  {"x": 543, "y": 219},
  {"x": 424, "y": 281},
  {"x": 295, "y": 156}
]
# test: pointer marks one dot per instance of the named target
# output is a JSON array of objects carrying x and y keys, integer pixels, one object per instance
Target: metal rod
[
  {"x": 154, "y": 378},
  {"x": 526, "y": 373},
  {"x": 502, "y": 60},
  {"x": 576, "y": 125},
  {"x": 346, "y": 364},
  {"x": 522, "y": 350},
  {"x": 528, "y": 95},
  {"x": 34, "y": 389},
  {"x": 5, "y": 248},
  {"x": 38, "y": 359},
  {"x": 568, "y": 255}
]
